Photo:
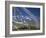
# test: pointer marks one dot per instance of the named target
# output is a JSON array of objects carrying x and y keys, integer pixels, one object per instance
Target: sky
[{"x": 34, "y": 11}]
